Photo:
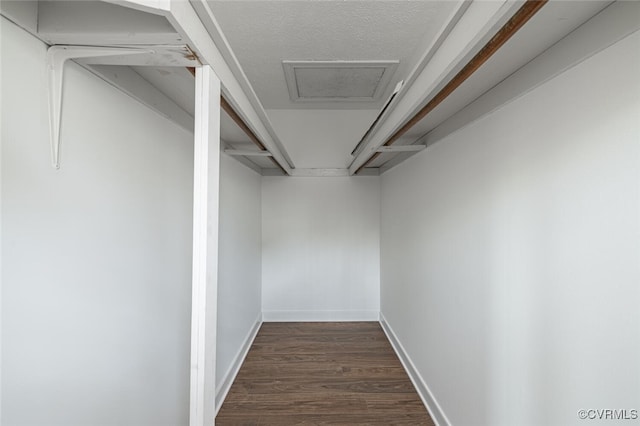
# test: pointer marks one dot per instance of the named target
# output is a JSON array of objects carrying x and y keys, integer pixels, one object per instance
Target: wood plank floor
[{"x": 322, "y": 373}]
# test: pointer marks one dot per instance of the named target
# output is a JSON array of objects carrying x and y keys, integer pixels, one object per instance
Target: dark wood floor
[{"x": 322, "y": 373}]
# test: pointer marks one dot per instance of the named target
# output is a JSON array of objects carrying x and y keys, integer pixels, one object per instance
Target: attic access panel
[{"x": 338, "y": 81}]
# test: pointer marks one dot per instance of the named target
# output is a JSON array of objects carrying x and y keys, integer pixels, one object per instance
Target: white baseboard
[
  {"x": 425, "y": 393},
  {"x": 232, "y": 372},
  {"x": 318, "y": 316}
]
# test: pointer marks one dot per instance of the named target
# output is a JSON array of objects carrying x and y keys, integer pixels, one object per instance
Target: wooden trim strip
[
  {"x": 526, "y": 12},
  {"x": 240, "y": 122}
]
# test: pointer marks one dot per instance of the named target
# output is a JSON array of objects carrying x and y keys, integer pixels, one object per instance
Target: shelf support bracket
[
  {"x": 401, "y": 148},
  {"x": 247, "y": 153},
  {"x": 56, "y": 58}
]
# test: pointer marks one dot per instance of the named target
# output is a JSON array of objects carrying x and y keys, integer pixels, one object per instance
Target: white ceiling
[
  {"x": 321, "y": 134},
  {"x": 262, "y": 34}
]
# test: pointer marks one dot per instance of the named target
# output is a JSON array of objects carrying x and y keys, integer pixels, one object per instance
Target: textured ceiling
[{"x": 264, "y": 33}]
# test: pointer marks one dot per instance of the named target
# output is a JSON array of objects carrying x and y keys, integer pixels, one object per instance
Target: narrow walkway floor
[{"x": 322, "y": 373}]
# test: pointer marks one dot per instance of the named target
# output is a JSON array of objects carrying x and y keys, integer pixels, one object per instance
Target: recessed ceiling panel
[{"x": 336, "y": 81}]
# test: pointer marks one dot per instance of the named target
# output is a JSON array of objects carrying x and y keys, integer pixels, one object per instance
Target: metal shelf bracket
[{"x": 56, "y": 58}]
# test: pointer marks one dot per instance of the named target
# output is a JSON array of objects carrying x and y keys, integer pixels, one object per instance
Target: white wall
[
  {"x": 510, "y": 252},
  {"x": 96, "y": 279},
  {"x": 239, "y": 266},
  {"x": 320, "y": 248}
]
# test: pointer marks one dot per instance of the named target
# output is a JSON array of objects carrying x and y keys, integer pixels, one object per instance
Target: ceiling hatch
[{"x": 338, "y": 81}]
